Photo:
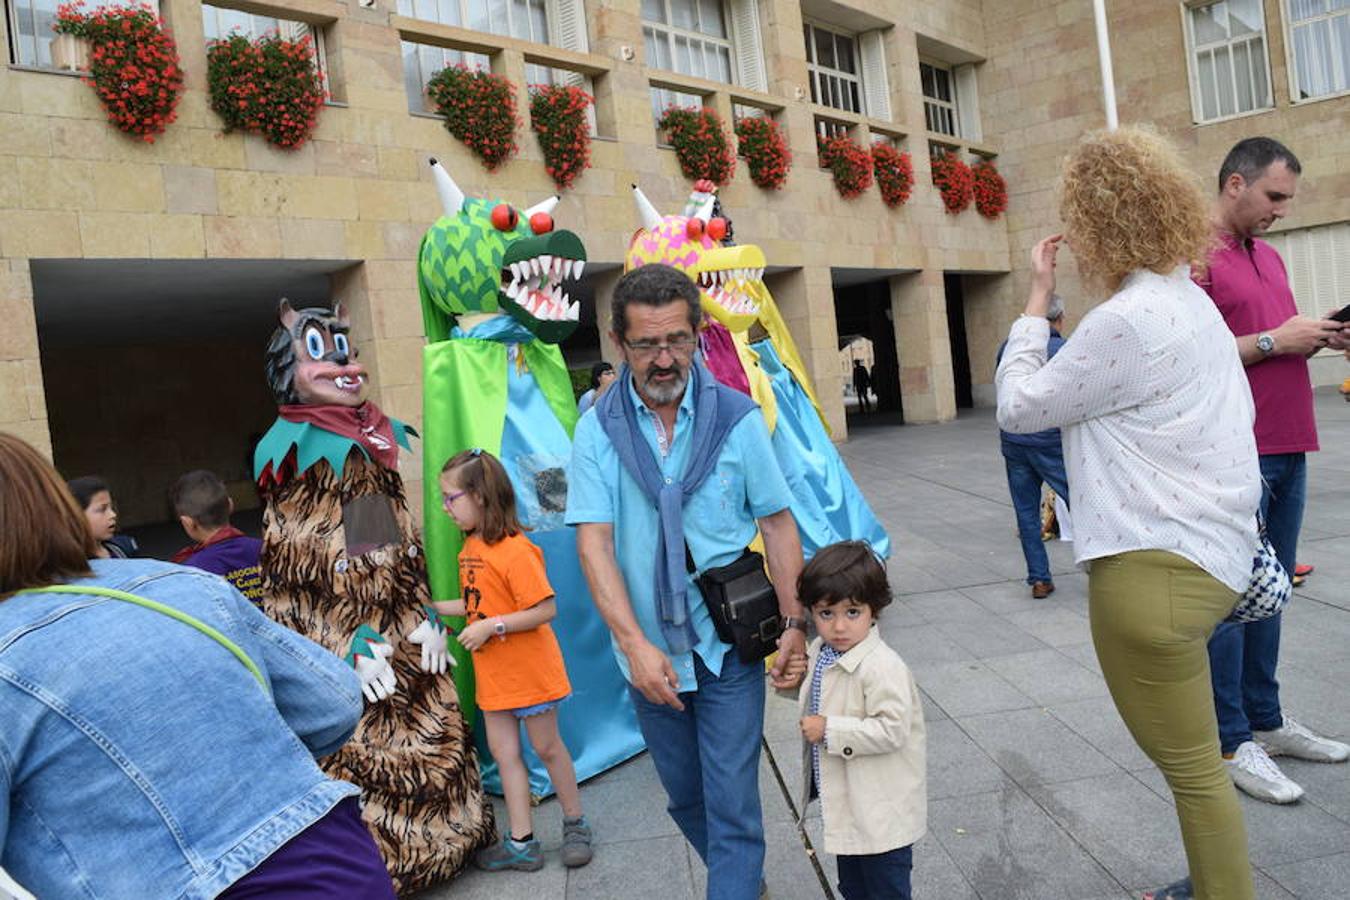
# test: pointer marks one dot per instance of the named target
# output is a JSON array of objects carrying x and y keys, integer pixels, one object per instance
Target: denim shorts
[{"x": 525, "y": 712}]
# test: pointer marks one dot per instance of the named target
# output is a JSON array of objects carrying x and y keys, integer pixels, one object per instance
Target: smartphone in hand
[{"x": 1341, "y": 315}]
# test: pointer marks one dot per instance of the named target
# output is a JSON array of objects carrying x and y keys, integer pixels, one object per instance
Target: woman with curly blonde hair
[{"x": 1157, "y": 421}]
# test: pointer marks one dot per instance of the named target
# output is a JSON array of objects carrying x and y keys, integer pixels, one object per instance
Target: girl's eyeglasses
[{"x": 448, "y": 500}]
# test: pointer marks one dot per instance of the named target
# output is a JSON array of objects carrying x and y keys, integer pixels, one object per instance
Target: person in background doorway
[
  {"x": 94, "y": 497},
  {"x": 862, "y": 383},
  {"x": 602, "y": 376},
  {"x": 1032, "y": 460}
]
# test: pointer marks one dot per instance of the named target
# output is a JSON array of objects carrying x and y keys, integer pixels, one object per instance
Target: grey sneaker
[
  {"x": 576, "y": 847},
  {"x": 526, "y": 857},
  {"x": 1255, "y": 774},
  {"x": 1292, "y": 739}
]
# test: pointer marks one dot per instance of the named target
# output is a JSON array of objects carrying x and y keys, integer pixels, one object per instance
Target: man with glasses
[{"x": 703, "y": 450}]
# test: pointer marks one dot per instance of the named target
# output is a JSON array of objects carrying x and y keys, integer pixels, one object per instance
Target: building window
[
  {"x": 219, "y": 23},
  {"x": 421, "y": 61},
  {"x": 833, "y": 68},
  {"x": 939, "y": 98},
  {"x": 524, "y": 19},
  {"x": 687, "y": 36},
  {"x": 30, "y": 29},
  {"x": 1321, "y": 47},
  {"x": 1229, "y": 69}
]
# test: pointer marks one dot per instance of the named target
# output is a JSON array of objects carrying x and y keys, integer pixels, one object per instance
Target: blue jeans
[
  {"x": 1242, "y": 657},
  {"x": 1027, "y": 468},
  {"x": 707, "y": 757},
  {"x": 876, "y": 876}
]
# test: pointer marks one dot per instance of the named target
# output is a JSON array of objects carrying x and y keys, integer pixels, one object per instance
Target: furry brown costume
[{"x": 342, "y": 552}]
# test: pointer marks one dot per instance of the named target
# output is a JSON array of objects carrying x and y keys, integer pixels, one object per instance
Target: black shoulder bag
[{"x": 742, "y": 603}]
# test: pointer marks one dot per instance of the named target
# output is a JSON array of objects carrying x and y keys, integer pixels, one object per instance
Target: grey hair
[
  {"x": 1056, "y": 310},
  {"x": 1252, "y": 156}
]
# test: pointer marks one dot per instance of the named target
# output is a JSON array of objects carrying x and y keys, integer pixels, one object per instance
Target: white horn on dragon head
[
  {"x": 452, "y": 198},
  {"x": 650, "y": 217},
  {"x": 705, "y": 212},
  {"x": 544, "y": 206}
]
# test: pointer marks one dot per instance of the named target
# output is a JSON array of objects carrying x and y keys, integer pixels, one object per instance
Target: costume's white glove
[
  {"x": 431, "y": 636},
  {"x": 369, "y": 655}
]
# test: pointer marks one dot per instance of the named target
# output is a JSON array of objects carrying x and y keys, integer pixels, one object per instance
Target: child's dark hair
[
  {"x": 848, "y": 570},
  {"x": 480, "y": 474},
  {"x": 85, "y": 487},
  {"x": 201, "y": 496}
]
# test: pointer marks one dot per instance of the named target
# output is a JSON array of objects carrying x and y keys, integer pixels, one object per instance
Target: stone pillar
[
  {"x": 919, "y": 308},
  {"x": 603, "y": 286},
  {"x": 622, "y": 96},
  {"x": 23, "y": 398},
  {"x": 805, "y": 297}
]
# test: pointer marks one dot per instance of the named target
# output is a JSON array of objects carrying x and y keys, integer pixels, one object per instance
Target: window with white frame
[
  {"x": 524, "y": 19},
  {"x": 218, "y": 22},
  {"x": 30, "y": 29},
  {"x": 688, "y": 36},
  {"x": 1320, "y": 47},
  {"x": 940, "y": 112},
  {"x": 421, "y": 61},
  {"x": 1230, "y": 73},
  {"x": 833, "y": 68}
]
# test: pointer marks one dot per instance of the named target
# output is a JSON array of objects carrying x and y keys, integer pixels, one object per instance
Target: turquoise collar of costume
[
  {"x": 311, "y": 444},
  {"x": 501, "y": 329}
]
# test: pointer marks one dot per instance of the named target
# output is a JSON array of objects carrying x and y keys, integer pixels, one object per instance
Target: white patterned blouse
[{"x": 1157, "y": 417}]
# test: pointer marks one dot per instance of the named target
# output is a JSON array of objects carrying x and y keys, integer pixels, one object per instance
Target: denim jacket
[{"x": 138, "y": 757}]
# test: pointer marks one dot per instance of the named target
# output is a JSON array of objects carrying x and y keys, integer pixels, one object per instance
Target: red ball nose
[
  {"x": 717, "y": 228},
  {"x": 694, "y": 229},
  {"x": 504, "y": 217},
  {"x": 541, "y": 223}
]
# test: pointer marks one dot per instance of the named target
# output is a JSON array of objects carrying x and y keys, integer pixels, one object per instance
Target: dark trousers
[{"x": 876, "y": 876}]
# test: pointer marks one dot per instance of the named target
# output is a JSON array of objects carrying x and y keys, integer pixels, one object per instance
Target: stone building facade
[{"x": 138, "y": 280}]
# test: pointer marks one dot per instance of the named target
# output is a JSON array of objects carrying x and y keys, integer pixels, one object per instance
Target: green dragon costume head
[
  {"x": 730, "y": 279},
  {"x": 484, "y": 256}
]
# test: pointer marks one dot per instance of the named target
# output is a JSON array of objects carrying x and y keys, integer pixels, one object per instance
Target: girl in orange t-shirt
[{"x": 518, "y": 666}]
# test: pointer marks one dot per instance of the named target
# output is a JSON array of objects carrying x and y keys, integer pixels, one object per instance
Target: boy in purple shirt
[
  {"x": 1249, "y": 285},
  {"x": 203, "y": 507}
]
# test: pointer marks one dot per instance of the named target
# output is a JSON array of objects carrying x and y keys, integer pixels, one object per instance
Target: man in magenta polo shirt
[{"x": 1249, "y": 285}]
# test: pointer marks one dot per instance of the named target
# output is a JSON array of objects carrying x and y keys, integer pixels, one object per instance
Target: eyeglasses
[
  {"x": 679, "y": 346},
  {"x": 448, "y": 500}
]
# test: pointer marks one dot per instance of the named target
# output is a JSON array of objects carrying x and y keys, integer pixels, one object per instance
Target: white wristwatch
[
  {"x": 499, "y": 628},
  {"x": 1265, "y": 343}
]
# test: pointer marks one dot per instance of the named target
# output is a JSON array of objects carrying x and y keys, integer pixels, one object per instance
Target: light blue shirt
[{"x": 719, "y": 518}]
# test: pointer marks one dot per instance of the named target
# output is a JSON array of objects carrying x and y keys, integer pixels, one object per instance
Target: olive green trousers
[{"x": 1152, "y": 614}]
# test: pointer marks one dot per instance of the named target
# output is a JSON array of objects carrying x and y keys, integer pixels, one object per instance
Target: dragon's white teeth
[
  {"x": 578, "y": 265},
  {"x": 574, "y": 311},
  {"x": 513, "y": 289},
  {"x": 545, "y": 262},
  {"x": 515, "y": 271}
]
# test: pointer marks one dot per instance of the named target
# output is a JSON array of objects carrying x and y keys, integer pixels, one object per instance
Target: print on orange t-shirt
[{"x": 526, "y": 667}]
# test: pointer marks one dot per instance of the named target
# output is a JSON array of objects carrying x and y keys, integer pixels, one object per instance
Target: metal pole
[{"x": 1104, "y": 57}]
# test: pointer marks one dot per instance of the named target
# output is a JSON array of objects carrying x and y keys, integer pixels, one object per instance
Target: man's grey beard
[{"x": 663, "y": 394}]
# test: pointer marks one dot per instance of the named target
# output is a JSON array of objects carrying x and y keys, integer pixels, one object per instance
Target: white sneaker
[
  {"x": 1292, "y": 739},
  {"x": 1255, "y": 774}
]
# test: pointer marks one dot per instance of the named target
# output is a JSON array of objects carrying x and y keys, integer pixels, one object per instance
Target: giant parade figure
[
  {"x": 494, "y": 289},
  {"x": 747, "y": 346},
  {"x": 342, "y": 564}
]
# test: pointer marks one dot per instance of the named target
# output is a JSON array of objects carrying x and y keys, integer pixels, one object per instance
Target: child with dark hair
[
  {"x": 203, "y": 506},
  {"x": 862, "y": 727},
  {"x": 518, "y": 666},
  {"x": 95, "y": 497}
]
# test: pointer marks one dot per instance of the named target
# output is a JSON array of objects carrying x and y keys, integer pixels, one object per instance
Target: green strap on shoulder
[{"x": 158, "y": 607}]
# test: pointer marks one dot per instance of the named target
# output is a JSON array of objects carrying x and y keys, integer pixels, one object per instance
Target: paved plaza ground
[{"x": 1036, "y": 789}]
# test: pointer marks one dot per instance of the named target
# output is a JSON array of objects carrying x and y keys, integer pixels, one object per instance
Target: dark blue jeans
[
  {"x": 1243, "y": 657},
  {"x": 1027, "y": 468},
  {"x": 707, "y": 757},
  {"x": 876, "y": 876}
]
